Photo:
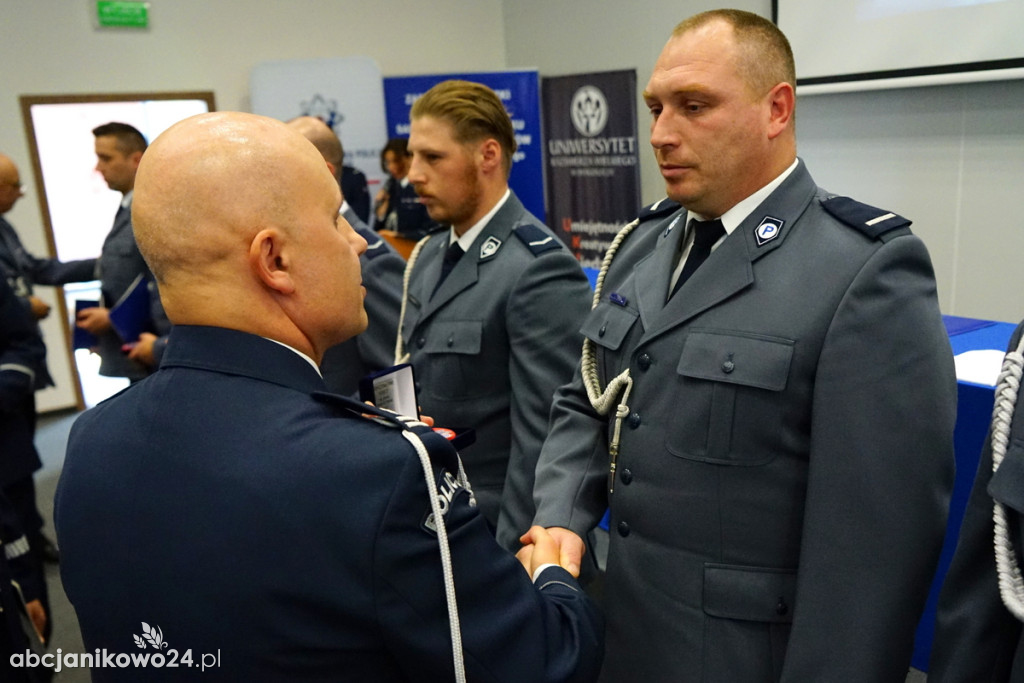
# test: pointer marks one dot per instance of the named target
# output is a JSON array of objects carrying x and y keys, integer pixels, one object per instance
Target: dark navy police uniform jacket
[{"x": 223, "y": 503}]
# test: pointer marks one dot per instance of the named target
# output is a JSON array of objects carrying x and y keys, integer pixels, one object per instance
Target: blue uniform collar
[{"x": 232, "y": 352}]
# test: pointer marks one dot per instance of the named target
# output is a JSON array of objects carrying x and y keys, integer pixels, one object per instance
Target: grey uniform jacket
[
  {"x": 120, "y": 263},
  {"x": 491, "y": 346},
  {"x": 976, "y": 637},
  {"x": 344, "y": 364},
  {"x": 787, "y": 455}
]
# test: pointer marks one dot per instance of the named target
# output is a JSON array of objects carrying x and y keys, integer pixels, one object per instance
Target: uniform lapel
[
  {"x": 652, "y": 273},
  {"x": 729, "y": 269},
  {"x": 467, "y": 271}
]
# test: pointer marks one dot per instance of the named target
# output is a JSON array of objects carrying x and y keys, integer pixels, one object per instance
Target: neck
[{"x": 489, "y": 198}]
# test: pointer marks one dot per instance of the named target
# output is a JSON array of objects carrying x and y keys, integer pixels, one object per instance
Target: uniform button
[
  {"x": 421, "y": 342},
  {"x": 626, "y": 476},
  {"x": 623, "y": 529},
  {"x": 451, "y": 341},
  {"x": 728, "y": 366},
  {"x": 604, "y": 328},
  {"x": 782, "y": 609},
  {"x": 644, "y": 361},
  {"x": 634, "y": 420}
]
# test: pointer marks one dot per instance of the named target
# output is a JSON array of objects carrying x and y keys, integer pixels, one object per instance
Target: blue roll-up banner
[
  {"x": 592, "y": 159},
  {"x": 519, "y": 92}
]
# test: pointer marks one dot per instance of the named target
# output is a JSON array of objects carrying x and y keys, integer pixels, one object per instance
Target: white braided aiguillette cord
[
  {"x": 1011, "y": 585},
  {"x": 400, "y": 355},
  {"x": 602, "y": 400},
  {"x": 446, "y": 556}
]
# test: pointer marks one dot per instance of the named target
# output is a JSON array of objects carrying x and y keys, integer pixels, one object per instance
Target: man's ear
[
  {"x": 270, "y": 262},
  {"x": 489, "y": 155},
  {"x": 782, "y": 103}
]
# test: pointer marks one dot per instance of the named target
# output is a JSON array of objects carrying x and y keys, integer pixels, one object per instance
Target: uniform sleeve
[
  {"x": 572, "y": 472},
  {"x": 546, "y": 308},
  {"x": 382, "y": 276},
  {"x": 21, "y": 349},
  {"x": 975, "y": 635},
  {"x": 511, "y": 628},
  {"x": 54, "y": 272},
  {"x": 880, "y": 473}
]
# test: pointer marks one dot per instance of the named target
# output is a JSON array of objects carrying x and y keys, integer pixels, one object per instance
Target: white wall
[{"x": 51, "y": 47}]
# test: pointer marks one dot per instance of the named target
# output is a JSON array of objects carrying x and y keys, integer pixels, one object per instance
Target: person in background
[
  {"x": 397, "y": 208},
  {"x": 494, "y": 302},
  {"x": 22, "y": 580},
  {"x": 22, "y": 271},
  {"x": 766, "y": 398},
  {"x": 119, "y": 148},
  {"x": 232, "y": 506},
  {"x": 345, "y": 364},
  {"x": 354, "y": 187},
  {"x": 978, "y": 634}
]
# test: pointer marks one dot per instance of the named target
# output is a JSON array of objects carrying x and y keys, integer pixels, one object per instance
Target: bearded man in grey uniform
[
  {"x": 772, "y": 430},
  {"x": 491, "y": 332}
]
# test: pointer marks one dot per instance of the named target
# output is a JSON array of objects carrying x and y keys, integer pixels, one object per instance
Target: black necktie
[
  {"x": 451, "y": 257},
  {"x": 705, "y": 234}
]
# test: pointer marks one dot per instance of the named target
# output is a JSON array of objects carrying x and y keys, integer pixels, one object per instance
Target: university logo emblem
[
  {"x": 589, "y": 111},
  {"x": 323, "y": 109}
]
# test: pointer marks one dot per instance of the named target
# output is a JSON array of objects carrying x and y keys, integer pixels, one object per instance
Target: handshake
[{"x": 554, "y": 545}]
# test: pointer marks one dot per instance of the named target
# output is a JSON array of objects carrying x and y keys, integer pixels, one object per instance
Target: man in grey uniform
[
  {"x": 493, "y": 307},
  {"x": 119, "y": 148},
  {"x": 772, "y": 430}
]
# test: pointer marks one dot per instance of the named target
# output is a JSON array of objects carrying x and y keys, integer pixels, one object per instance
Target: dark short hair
[
  {"x": 398, "y": 146},
  {"x": 474, "y": 111},
  {"x": 129, "y": 139},
  {"x": 767, "y": 58}
]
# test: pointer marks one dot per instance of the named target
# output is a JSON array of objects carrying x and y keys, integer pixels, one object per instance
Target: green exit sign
[{"x": 112, "y": 14}]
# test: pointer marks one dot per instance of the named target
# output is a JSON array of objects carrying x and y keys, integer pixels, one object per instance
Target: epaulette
[
  {"x": 353, "y": 408},
  {"x": 374, "y": 243},
  {"x": 375, "y": 248},
  {"x": 659, "y": 209},
  {"x": 869, "y": 220},
  {"x": 441, "y": 452},
  {"x": 536, "y": 239}
]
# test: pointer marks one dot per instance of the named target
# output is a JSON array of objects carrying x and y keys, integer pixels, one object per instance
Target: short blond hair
[
  {"x": 766, "y": 57},
  {"x": 473, "y": 110}
]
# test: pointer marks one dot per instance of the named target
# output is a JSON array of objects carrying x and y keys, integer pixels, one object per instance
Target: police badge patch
[
  {"x": 769, "y": 229},
  {"x": 490, "y": 247}
]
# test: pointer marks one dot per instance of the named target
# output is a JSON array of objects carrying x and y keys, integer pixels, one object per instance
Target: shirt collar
[
  {"x": 300, "y": 353},
  {"x": 468, "y": 237},
  {"x": 126, "y": 200},
  {"x": 732, "y": 218}
]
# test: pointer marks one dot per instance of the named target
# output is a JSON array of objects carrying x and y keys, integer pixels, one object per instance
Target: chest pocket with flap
[{"x": 738, "y": 375}]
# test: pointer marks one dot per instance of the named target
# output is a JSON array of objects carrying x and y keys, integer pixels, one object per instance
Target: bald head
[
  {"x": 236, "y": 216},
  {"x": 323, "y": 138},
  {"x": 10, "y": 184},
  {"x": 210, "y": 182}
]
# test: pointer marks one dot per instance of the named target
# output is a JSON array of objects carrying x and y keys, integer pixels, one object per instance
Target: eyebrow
[{"x": 696, "y": 90}]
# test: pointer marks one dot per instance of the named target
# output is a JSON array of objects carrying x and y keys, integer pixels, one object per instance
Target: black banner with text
[{"x": 591, "y": 143}]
